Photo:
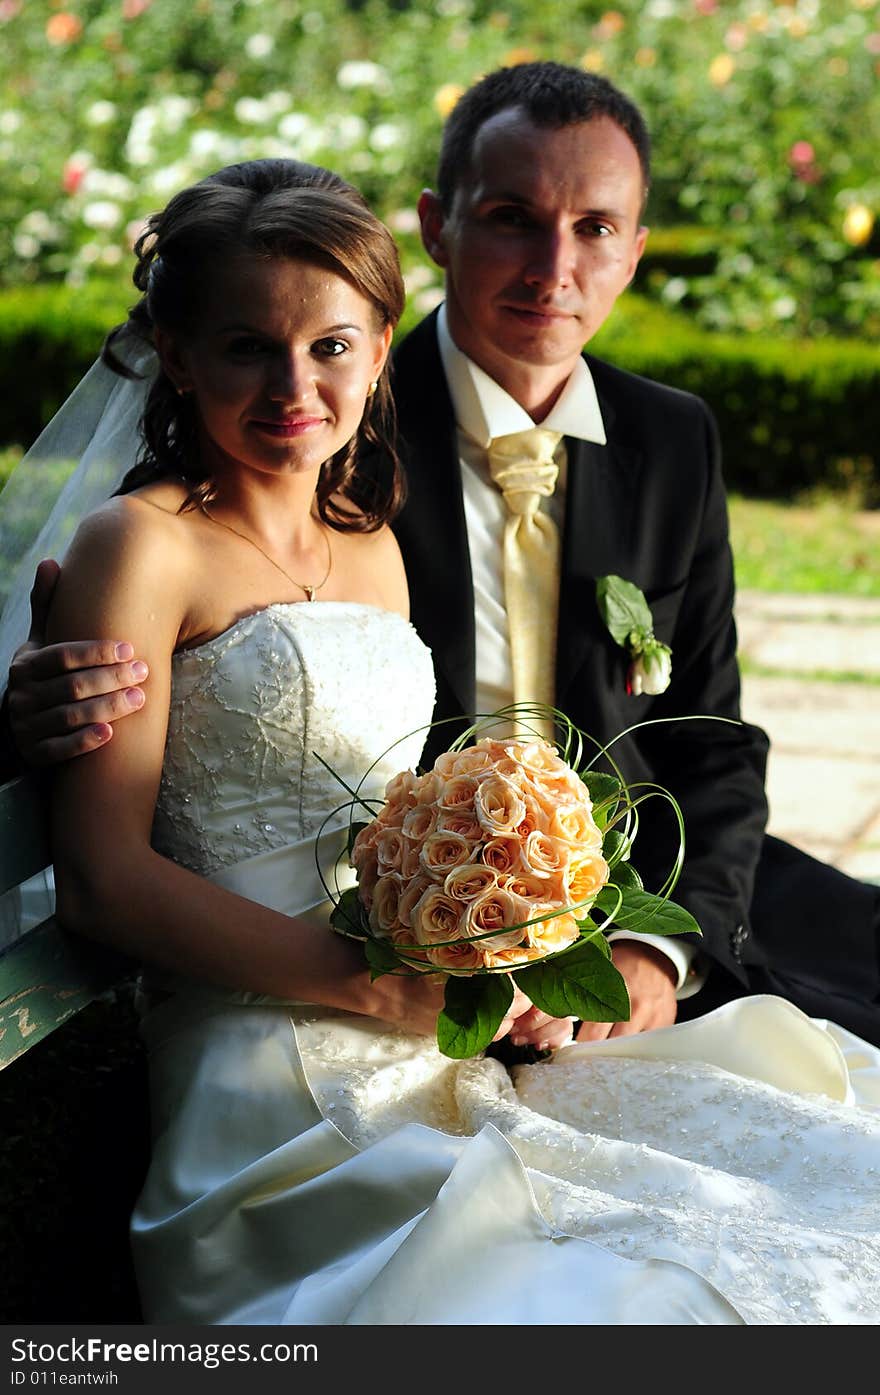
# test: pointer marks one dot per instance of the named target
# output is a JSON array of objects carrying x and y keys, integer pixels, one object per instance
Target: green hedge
[{"x": 793, "y": 415}]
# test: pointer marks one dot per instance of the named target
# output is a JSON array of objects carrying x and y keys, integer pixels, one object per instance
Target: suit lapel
[
  {"x": 601, "y": 493},
  {"x": 431, "y": 529}
]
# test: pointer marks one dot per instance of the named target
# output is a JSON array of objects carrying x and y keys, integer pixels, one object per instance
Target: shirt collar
[{"x": 484, "y": 410}]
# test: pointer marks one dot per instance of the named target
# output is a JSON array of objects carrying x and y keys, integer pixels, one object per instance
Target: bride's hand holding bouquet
[{"x": 500, "y": 869}]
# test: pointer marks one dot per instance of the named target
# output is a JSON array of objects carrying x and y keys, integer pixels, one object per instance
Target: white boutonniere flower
[{"x": 628, "y": 617}]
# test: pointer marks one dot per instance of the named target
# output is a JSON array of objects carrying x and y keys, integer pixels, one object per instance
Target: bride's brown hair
[{"x": 270, "y": 208}]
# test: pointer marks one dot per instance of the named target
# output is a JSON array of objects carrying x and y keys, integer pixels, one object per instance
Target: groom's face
[{"x": 543, "y": 235}]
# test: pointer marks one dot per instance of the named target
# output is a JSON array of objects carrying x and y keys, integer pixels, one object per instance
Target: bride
[{"x": 315, "y": 1159}]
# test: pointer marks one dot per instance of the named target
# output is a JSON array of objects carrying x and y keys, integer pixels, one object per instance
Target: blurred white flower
[
  {"x": 259, "y": 45},
  {"x": 784, "y": 307},
  {"x": 417, "y": 278},
  {"x": 651, "y": 670},
  {"x": 108, "y": 184},
  {"x": 174, "y": 110},
  {"x": 362, "y": 74},
  {"x": 676, "y": 289},
  {"x": 251, "y": 112},
  {"x": 40, "y": 225},
  {"x": 428, "y": 300},
  {"x": 101, "y": 213},
  {"x": 89, "y": 253},
  {"x": 344, "y": 130},
  {"x": 403, "y": 220},
  {"x": 26, "y": 245},
  {"x": 111, "y": 255},
  {"x": 277, "y": 102},
  {"x": 385, "y": 136},
  {"x": 9, "y": 122},
  {"x": 100, "y": 113},
  {"x": 169, "y": 178},
  {"x": 294, "y": 125}
]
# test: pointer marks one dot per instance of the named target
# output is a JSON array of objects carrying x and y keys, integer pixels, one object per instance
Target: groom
[{"x": 543, "y": 176}]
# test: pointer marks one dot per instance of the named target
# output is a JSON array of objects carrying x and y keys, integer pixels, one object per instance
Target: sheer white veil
[{"x": 76, "y": 463}]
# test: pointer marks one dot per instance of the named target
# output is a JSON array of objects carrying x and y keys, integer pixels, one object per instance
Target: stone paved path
[{"x": 811, "y": 679}]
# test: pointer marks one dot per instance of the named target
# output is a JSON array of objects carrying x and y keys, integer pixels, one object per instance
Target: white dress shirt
[{"x": 484, "y": 410}]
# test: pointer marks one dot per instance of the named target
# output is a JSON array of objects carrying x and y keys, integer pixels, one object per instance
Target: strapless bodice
[{"x": 256, "y": 710}]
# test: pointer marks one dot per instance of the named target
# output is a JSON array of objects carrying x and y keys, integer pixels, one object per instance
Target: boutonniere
[{"x": 628, "y": 616}]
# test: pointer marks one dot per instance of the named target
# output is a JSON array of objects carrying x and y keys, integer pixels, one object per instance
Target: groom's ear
[{"x": 432, "y": 220}]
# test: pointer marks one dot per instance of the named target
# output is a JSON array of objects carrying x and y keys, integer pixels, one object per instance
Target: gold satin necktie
[{"x": 523, "y": 468}]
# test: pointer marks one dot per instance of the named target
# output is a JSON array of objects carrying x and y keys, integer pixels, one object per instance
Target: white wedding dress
[{"x": 314, "y": 1167}]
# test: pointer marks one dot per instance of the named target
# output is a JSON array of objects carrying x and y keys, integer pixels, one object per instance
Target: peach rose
[
  {"x": 412, "y": 955},
  {"x": 575, "y": 824},
  {"x": 498, "y": 805},
  {"x": 419, "y": 822},
  {"x": 469, "y": 881},
  {"x": 428, "y": 788},
  {"x": 368, "y": 874},
  {"x": 557, "y": 933},
  {"x": 463, "y": 823},
  {"x": 458, "y": 794},
  {"x": 384, "y": 915},
  {"x": 435, "y": 917},
  {"x": 410, "y": 863},
  {"x": 390, "y": 846},
  {"x": 460, "y": 957},
  {"x": 509, "y": 958},
  {"x": 445, "y": 764},
  {"x": 525, "y": 885},
  {"x": 474, "y": 761},
  {"x": 502, "y": 854},
  {"x": 412, "y": 890},
  {"x": 490, "y": 915},
  {"x": 440, "y": 852},
  {"x": 400, "y": 787},
  {"x": 584, "y": 878},
  {"x": 544, "y": 855},
  {"x": 365, "y": 841}
]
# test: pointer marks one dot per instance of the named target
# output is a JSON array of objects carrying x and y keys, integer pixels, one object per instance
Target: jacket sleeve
[{"x": 715, "y": 768}]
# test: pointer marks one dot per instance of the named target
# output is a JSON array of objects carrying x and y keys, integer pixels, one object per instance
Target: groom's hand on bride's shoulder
[{"x": 63, "y": 699}]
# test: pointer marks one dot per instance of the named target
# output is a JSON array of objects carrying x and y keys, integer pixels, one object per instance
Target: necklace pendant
[{"x": 310, "y": 592}]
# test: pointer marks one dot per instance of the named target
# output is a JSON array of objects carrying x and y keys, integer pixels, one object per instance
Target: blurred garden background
[{"x": 760, "y": 287}]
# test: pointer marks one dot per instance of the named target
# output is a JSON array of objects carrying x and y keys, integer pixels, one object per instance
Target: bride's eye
[
  {"x": 330, "y": 347},
  {"x": 247, "y": 346}
]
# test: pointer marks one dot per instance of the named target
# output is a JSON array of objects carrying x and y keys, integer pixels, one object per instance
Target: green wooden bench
[{"x": 75, "y": 1136}]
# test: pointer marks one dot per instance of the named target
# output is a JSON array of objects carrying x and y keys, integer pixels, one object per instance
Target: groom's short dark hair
[{"x": 552, "y": 95}]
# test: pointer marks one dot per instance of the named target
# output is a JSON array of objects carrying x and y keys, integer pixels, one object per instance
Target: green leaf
[
  {"x": 601, "y": 786},
  {"x": 582, "y": 983},
  {"x": 381, "y": 958},
  {"x": 353, "y": 831},
  {"x": 594, "y": 936},
  {"x": 640, "y": 911},
  {"x": 626, "y": 877},
  {"x": 615, "y": 845},
  {"x": 348, "y": 915},
  {"x": 472, "y": 1012},
  {"x": 623, "y": 608}
]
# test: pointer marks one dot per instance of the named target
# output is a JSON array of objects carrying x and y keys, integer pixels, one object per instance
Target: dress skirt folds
[{"x": 311, "y": 1166}]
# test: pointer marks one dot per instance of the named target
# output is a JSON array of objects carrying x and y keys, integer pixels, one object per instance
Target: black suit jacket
[{"x": 648, "y": 506}]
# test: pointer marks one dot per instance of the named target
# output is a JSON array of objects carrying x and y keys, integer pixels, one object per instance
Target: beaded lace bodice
[{"x": 253, "y": 709}]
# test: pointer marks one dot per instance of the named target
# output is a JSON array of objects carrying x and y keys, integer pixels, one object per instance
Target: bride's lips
[{"x": 288, "y": 428}]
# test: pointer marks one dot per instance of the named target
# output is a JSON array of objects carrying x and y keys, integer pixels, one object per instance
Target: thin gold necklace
[{"x": 309, "y": 590}]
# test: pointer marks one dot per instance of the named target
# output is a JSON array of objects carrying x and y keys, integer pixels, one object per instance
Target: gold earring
[{"x": 373, "y": 387}]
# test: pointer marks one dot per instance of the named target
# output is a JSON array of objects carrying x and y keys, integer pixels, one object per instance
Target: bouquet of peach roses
[{"x": 503, "y": 864}]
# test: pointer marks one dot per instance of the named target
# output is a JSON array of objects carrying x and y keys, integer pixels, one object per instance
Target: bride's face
[{"x": 280, "y": 364}]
